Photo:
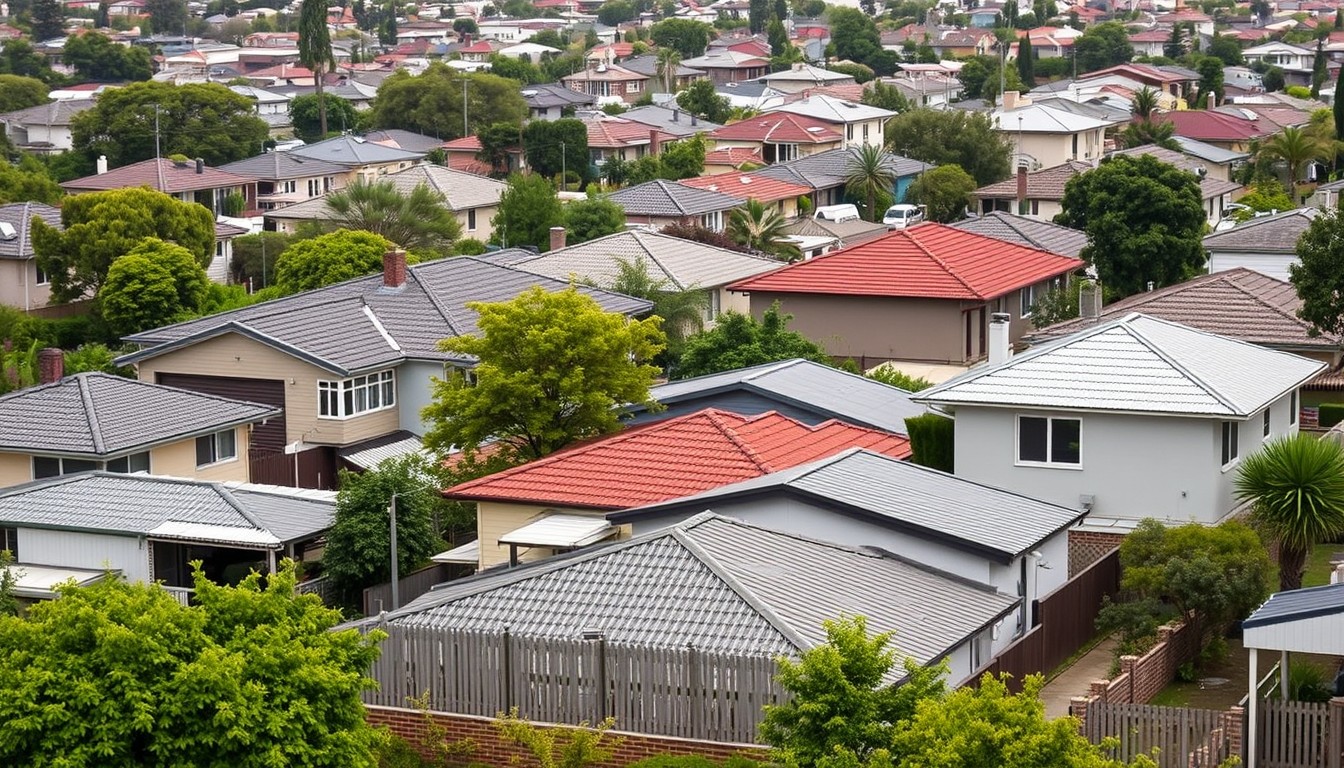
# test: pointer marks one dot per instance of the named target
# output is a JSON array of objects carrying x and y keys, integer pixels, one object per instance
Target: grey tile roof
[
  {"x": 282, "y": 165},
  {"x": 403, "y": 139},
  {"x": 674, "y": 121},
  {"x": 20, "y": 216},
  {"x": 648, "y": 65},
  {"x": 1296, "y": 605},
  {"x": 168, "y": 507},
  {"x": 684, "y": 264},
  {"x": 1267, "y": 234},
  {"x": 668, "y": 199},
  {"x": 1027, "y": 231},
  {"x": 554, "y": 95},
  {"x": 334, "y": 327},
  {"x": 60, "y": 112},
  {"x": 1135, "y": 364},
  {"x": 916, "y": 500},
  {"x": 847, "y": 233},
  {"x": 828, "y": 391},
  {"x": 720, "y": 585},
  {"x": 99, "y": 414},
  {"x": 828, "y": 169},
  {"x": 460, "y": 190},
  {"x": 1209, "y": 187},
  {"x": 353, "y": 151}
]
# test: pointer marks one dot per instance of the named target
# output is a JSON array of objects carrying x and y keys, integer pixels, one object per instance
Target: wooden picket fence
[
  {"x": 681, "y": 692},
  {"x": 1298, "y": 734},
  {"x": 1178, "y": 737}
]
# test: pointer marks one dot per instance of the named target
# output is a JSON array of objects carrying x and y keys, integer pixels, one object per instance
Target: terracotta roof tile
[
  {"x": 674, "y": 458},
  {"x": 622, "y": 133},
  {"x": 779, "y": 128},
  {"x": 1045, "y": 184},
  {"x": 162, "y": 174},
  {"x": 746, "y": 186},
  {"x": 1206, "y": 125}
]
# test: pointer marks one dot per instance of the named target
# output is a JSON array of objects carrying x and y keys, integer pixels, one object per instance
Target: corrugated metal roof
[
  {"x": 1298, "y": 604},
  {"x": 560, "y": 531},
  {"x": 467, "y": 553},
  {"x": 911, "y": 498},
  {"x": 371, "y": 453},
  {"x": 1136, "y": 363},
  {"x": 720, "y": 585}
]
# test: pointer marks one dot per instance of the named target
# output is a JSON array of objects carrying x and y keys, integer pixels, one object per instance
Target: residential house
[
  {"x": 1053, "y": 42},
  {"x": 152, "y": 528},
  {"x": 1190, "y": 18},
  {"x": 550, "y": 101},
  {"x": 463, "y": 155},
  {"x": 1172, "y": 82},
  {"x": 924, "y": 293},
  {"x": 1218, "y": 162},
  {"x": 1026, "y": 230},
  {"x": 284, "y": 178},
  {"x": 190, "y": 182},
  {"x": 963, "y": 43},
  {"x": 403, "y": 139},
  {"x": 226, "y": 231},
  {"x": 1044, "y": 136},
  {"x": 752, "y": 95},
  {"x": 271, "y": 107},
  {"x": 729, "y": 66},
  {"x": 1234, "y": 133},
  {"x": 560, "y": 502},
  {"x": 680, "y": 265},
  {"x": 44, "y": 128},
  {"x": 671, "y": 120},
  {"x": 926, "y": 85},
  {"x": 367, "y": 160},
  {"x": 716, "y": 585},
  {"x": 1266, "y": 244},
  {"x": 815, "y": 236},
  {"x": 360, "y": 95},
  {"x": 98, "y": 421},
  {"x": 23, "y": 284},
  {"x": 647, "y": 65},
  {"x": 827, "y": 172},
  {"x": 479, "y": 51},
  {"x": 658, "y": 203},
  {"x": 531, "y": 52},
  {"x": 1150, "y": 42},
  {"x": 731, "y": 159},
  {"x": 860, "y": 123},
  {"x": 1076, "y": 421},
  {"x": 609, "y": 84},
  {"x": 349, "y": 363},
  {"x": 802, "y": 77},
  {"x": 778, "y": 136},
  {"x": 1296, "y": 61},
  {"x": 612, "y": 137},
  {"x": 864, "y": 499},
  {"x": 782, "y": 195}
]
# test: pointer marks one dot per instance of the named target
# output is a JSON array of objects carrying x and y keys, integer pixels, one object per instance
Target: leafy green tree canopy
[
  {"x": 1319, "y": 274},
  {"x": 307, "y": 119},
  {"x": 690, "y": 38},
  {"x": 331, "y": 258},
  {"x": 700, "y": 99},
  {"x": 527, "y": 211},
  {"x": 738, "y": 341},
  {"x": 553, "y": 367},
  {"x": 419, "y": 220},
  {"x": 155, "y": 284},
  {"x": 250, "y": 676},
  {"x": 593, "y": 217},
  {"x": 952, "y": 137},
  {"x": 1102, "y": 45},
  {"x": 18, "y": 92},
  {"x": 97, "y": 58},
  {"x": 431, "y": 103},
  {"x": 553, "y": 146},
  {"x": 945, "y": 191},
  {"x": 27, "y": 182}
]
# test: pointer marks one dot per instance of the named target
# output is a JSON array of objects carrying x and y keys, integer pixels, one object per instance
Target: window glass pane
[
  {"x": 1031, "y": 439},
  {"x": 1266, "y": 431},
  {"x": 361, "y": 400},
  {"x": 138, "y": 462},
  {"x": 375, "y": 396},
  {"x": 349, "y": 403},
  {"x": 44, "y": 466},
  {"x": 70, "y": 466},
  {"x": 205, "y": 450},
  {"x": 118, "y": 465},
  {"x": 225, "y": 446},
  {"x": 1064, "y": 441}
]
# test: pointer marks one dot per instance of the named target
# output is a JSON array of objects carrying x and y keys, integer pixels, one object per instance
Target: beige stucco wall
[
  {"x": 15, "y": 468},
  {"x": 1051, "y": 149},
  {"x": 179, "y": 460},
  {"x": 483, "y": 230},
  {"x": 240, "y": 357},
  {"x": 18, "y": 285}
]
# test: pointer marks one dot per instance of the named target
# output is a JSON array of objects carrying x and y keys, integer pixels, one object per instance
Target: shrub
[
  {"x": 931, "y": 440},
  {"x": 468, "y": 246},
  {"x": 1331, "y": 414},
  {"x": 1308, "y": 682},
  {"x": 892, "y": 377}
]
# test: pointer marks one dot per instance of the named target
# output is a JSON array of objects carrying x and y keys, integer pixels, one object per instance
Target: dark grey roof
[
  {"x": 721, "y": 585},
  {"x": 1024, "y": 230},
  {"x": 669, "y": 120},
  {"x": 99, "y": 414},
  {"x": 360, "y": 325},
  {"x": 828, "y": 169},
  {"x": 352, "y": 151},
  {"x": 671, "y": 200},
  {"x": 60, "y": 112},
  {"x": 750, "y": 89},
  {"x": 828, "y": 391},
  {"x": 1298, "y": 604},
  {"x": 20, "y": 216},
  {"x": 554, "y": 95},
  {"x": 282, "y": 165},
  {"x": 915, "y": 500},
  {"x": 1267, "y": 234},
  {"x": 648, "y": 65},
  {"x": 171, "y": 508},
  {"x": 415, "y": 142}
]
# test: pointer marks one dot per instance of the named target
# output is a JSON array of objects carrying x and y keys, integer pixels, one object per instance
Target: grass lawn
[{"x": 1318, "y": 564}]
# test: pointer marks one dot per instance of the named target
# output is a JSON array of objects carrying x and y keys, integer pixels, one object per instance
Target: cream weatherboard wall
[
  {"x": 495, "y": 518},
  {"x": 19, "y": 287},
  {"x": 179, "y": 460}
]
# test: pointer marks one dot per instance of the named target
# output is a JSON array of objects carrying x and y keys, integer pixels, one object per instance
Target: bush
[
  {"x": 1308, "y": 682},
  {"x": 694, "y": 761},
  {"x": 892, "y": 377},
  {"x": 468, "y": 246},
  {"x": 1331, "y": 414},
  {"x": 931, "y": 440}
]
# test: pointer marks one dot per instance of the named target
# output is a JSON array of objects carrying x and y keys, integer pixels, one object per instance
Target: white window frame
[
  {"x": 40, "y": 276},
  {"x": 1049, "y": 438},
  {"x": 1229, "y": 439},
  {"x": 217, "y": 450},
  {"x": 342, "y": 399},
  {"x": 1026, "y": 299}
]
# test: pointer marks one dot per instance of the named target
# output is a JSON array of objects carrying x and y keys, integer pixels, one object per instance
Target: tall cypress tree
[
  {"x": 1026, "y": 62},
  {"x": 315, "y": 51}
]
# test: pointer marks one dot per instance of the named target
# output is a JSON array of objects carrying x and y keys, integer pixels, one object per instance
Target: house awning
[
  {"x": 226, "y": 535},
  {"x": 560, "y": 532},
  {"x": 467, "y": 553},
  {"x": 36, "y": 582},
  {"x": 1307, "y": 620}
]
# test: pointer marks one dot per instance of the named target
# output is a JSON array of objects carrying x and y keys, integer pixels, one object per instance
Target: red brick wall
[
  {"x": 1087, "y": 547},
  {"x": 489, "y": 748},
  {"x": 1143, "y": 677}
]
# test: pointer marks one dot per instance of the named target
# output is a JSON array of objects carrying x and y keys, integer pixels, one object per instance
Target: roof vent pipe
[{"x": 1000, "y": 345}]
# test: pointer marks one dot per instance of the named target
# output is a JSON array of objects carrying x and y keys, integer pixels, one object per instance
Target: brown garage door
[{"x": 266, "y": 437}]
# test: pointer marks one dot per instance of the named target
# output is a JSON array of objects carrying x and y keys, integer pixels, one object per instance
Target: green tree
[
  {"x": 893, "y": 377},
  {"x": 1102, "y": 45},
  {"x": 254, "y": 258},
  {"x": 739, "y": 341},
  {"x": 97, "y": 58},
  {"x": 305, "y": 112},
  {"x": 359, "y": 545},
  {"x": 1296, "y": 148},
  {"x": 1145, "y": 103},
  {"x": 667, "y": 62},
  {"x": 48, "y": 19},
  {"x": 205, "y": 120},
  {"x": 700, "y": 99},
  {"x": 496, "y": 142},
  {"x": 1026, "y": 62},
  {"x": 855, "y": 37},
  {"x": 682, "y": 309},
  {"x": 516, "y": 68},
  {"x": 870, "y": 175},
  {"x": 1226, "y": 48},
  {"x": 18, "y": 92},
  {"x": 331, "y": 258},
  {"x": 1160, "y": 133},
  {"x": 431, "y": 103},
  {"x": 1337, "y": 107},
  {"x": 249, "y": 676},
  {"x": 554, "y": 367},
  {"x": 1318, "y": 68},
  {"x": 879, "y": 94},
  {"x": 779, "y": 39},
  {"x": 945, "y": 192},
  {"x": 9, "y": 577},
  {"x": 1319, "y": 274},
  {"x": 1178, "y": 44},
  {"x": 167, "y": 17},
  {"x": 952, "y": 137},
  {"x": 758, "y": 227},
  {"x": 315, "y": 52},
  {"x": 27, "y": 182},
  {"x": 527, "y": 211},
  {"x": 615, "y": 12},
  {"x": 1210, "y": 70},
  {"x": 758, "y": 15},
  {"x": 20, "y": 58},
  {"x": 1143, "y": 219},
  {"x": 555, "y": 146},
  {"x": 1059, "y": 304},
  {"x": 593, "y": 217},
  {"x": 1296, "y": 485},
  {"x": 1265, "y": 196},
  {"x": 100, "y": 227},
  {"x": 684, "y": 158},
  {"x": 154, "y": 284},
  {"x": 417, "y": 221}
]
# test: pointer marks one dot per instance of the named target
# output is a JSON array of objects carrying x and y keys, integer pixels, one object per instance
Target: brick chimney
[
  {"x": 1010, "y": 100},
  {"x": 557, "y": 238},
  {"x": 1021, "y": 187},
  {"x": 655, "y": 142},
  {"x": 50, "y": 365},
  {"x": 394, "y": 268}
]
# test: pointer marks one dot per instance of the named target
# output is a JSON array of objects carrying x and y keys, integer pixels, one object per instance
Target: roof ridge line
[
  {"x": 227, "y": 495},
  {"x": 910, "y": 233},
  {"x": 91, "y": 415},
  {"x": 444, "y": 311},
  {"x": 1204, "y": 385},
  {"x": 1257, "y": 299},
  {"x": 735, "y": 439},
  {"x": 671, "y": 276}
]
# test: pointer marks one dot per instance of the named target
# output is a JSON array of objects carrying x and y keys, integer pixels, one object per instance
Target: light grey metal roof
[
  {"x": 1298, "y": 604},
  {"x": 20, "y": 216},
  {"x": 720, "y": 585},
  {"x": 1027, "y": 231},
  {"x": 60, "y": 112},
  {"x": 460, "y": 191},
  {"x": 371, "y": 453},
  {"x": 550, "y": 95},
  {"x": 675, "y": 121},
  {"x": 1267, "y": 234},
  {"x": 1208, "y": 152},
  {"x": 404, "y": 139},
  {"x": 352, "y": 151},
  {"x": 684, "y": 264},
  {"x": 913, "y": 499},
  {"x": 668, "y": 199},
  {"x": 103, "y": 415},
  {"x": 282, "y": 165},
  {"x": 831, "y": 109},
  {"x": 1136, "y": 363},
  {"x": 148, "y": 505},
  {"x": 359, "y": 325},
  {"x": 828, "y": 391}
]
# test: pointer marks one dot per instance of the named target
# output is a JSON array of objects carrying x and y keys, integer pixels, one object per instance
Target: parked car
[
  {"x": 902, "y": 215},
  {"x": 846, "y": 212}
]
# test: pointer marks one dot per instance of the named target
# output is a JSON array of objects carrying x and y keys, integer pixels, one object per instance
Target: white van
[
  {"x": 902, "y": 215},
  {"x": 848, "y": 212}
]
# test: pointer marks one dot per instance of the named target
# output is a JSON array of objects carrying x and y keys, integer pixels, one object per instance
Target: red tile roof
[
  {"x": 465, "y": 144},
  {"x": 746, "y": 186},
  {"x": 734, "y": 156},
  {"x": 927, "y": 261},
  {"x": 609, "y": 134},
  {"x": 779, "y": 128},
  {"x": 172, "y": 178},
  {"x": 674, "y": 458},
  {"x": 1206, "y": 125}
]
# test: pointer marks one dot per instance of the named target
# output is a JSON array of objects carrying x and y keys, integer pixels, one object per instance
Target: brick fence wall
[
  {"x": 489, "y": 748},
  {"x": 1087, "y": 547},
  {"x": 1143, "y": 677}
]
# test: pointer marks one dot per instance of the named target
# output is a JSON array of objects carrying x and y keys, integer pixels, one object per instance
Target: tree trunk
[{"x": 1292, "y": 560}]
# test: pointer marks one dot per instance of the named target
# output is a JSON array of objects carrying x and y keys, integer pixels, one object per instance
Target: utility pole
[
  {"x": 392, "y": 515},
  {"x": 465, "y": 133},
  {"x": 564, "y": 177},
  {"x": 158, "y": 162}
]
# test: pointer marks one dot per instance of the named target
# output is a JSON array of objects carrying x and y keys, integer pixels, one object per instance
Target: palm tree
[
  {"x": 416, "y": 220},
  {"x": 682, "y": 308},
  {"x": 1144, "y": 103},
  {"x": 870, "y": 174},
  {"x": 669, "y": 61},
  {"x": 1296, "y": 485},
  {"x": 759, "y": 228},
  {"x": 1162, "y": 134},
  {"x": 315, "y": 50},
  {"x": 1295, "y": 148}
]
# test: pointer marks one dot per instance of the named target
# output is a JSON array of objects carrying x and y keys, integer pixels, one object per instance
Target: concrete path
[{"x": 1074, "y": 681}]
